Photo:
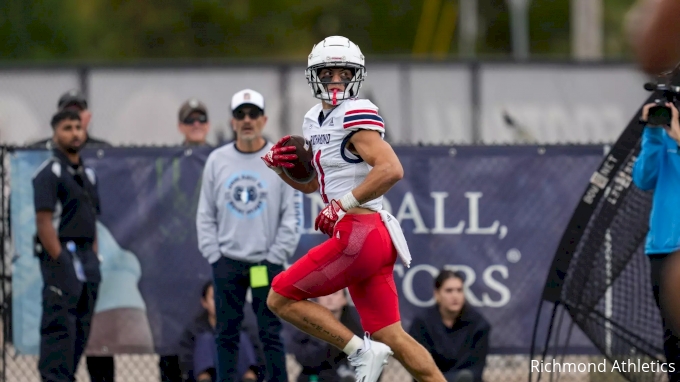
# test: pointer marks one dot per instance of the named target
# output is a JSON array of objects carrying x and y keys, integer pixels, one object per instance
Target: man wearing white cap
[
  {"x": 251, "y": 104},
  {"x": 249, "y": 223}
]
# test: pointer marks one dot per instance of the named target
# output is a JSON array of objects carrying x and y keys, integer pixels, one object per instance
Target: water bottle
[{"x": 77, "y": 264}]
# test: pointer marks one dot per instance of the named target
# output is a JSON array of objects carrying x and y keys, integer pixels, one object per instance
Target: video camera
[{"x": 669, "y": 87}]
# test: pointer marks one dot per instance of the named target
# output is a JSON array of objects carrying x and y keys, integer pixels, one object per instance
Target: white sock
[{"x": 353, "y": 345}]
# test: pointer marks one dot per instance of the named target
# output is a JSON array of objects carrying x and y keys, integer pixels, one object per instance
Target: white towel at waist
[{"x": 397, "y": 235}]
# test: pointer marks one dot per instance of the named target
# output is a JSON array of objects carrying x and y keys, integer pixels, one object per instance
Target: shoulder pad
[
  {"x": 313, "y": 113},
  {"x": 362, "y": 114},
  {"x": 354, "y": 104}
]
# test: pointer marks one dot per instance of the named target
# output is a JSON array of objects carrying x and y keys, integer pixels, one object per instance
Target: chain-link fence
[
  {"x": 144, "y": 368},
  {"x": 133, "y": 367}
]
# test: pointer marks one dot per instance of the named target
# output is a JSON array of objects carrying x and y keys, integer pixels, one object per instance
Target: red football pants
[{"x": 359, "y": 256}]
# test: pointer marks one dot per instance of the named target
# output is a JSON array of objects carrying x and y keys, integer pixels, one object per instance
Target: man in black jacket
[
  {"x": 454, "y": 333},
  {"x": 101, "y": 369},
  {"x": 66, "y": 202}
]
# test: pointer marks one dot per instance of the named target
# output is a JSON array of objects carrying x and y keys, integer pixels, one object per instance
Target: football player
[{"x": 355, "y": 167}]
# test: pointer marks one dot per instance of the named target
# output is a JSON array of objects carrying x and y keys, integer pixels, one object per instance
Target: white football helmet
[{"x": 335, "y": 52}]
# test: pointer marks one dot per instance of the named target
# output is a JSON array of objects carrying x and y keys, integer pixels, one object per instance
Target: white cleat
[{"x": 370, "y": 360}]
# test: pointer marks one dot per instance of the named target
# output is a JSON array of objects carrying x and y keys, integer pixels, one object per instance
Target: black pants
[
  {"x": 168, "y": 366},
  {"x": 671, "y": 343},
  {"x": 232, "y": 280},
  {"x": 101, "y": 369},
  {"x": 64, "y": 330}
]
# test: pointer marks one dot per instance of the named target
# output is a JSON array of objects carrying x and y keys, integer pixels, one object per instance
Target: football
[{"x": 303, "y": 172}]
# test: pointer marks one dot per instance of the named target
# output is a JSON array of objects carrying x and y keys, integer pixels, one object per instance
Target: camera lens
[{"x": 659, "y": 116}]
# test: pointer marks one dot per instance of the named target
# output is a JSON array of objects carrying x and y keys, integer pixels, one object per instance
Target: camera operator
[{"x": 658, "y": 168}]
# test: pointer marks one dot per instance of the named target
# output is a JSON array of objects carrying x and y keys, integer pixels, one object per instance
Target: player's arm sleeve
[
  {"x": 646, "y": 168},
  {"x": 289, "y": 228},
  {"x": 206, "y": 216},
  {"x": 363, "y": 115},
  {"x": 45, "y": 190}
]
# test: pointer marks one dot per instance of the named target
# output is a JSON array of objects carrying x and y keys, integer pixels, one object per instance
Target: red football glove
[
  {"x": 279, "y": 156},
  {"x": 327, "y": 218}
]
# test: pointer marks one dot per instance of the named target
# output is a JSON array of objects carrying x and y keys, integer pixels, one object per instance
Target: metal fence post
[
  {"x": 475, "y": 102},
  {"x": 84, "y": 80},
  {"x": 284, "y": 96},
  {"x": 405, "y": 101},
  {"x": 3, "y": 269}
]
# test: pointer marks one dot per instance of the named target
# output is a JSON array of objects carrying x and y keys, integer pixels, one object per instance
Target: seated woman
[
  {"x": 198, "y": 350},
  {"x": 454, "y": 333}
]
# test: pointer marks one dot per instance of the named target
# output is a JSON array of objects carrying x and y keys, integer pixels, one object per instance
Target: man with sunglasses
[
  {"x": 249, "y": 223},
  {"x": 193, "y": 123},
  {"x": 194, "y": 126}
]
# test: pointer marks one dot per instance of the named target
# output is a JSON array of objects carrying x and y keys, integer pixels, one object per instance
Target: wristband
[{"x": 349, "y": 201}]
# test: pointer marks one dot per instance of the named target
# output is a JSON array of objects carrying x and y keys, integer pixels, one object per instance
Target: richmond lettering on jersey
[{"x": 321, "y": 139}]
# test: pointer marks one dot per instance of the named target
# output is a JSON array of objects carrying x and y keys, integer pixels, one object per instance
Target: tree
[{"x": 114, "y": 30}]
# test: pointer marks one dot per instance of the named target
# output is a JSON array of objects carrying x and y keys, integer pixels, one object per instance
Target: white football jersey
[{"x": 338, "y": 170}]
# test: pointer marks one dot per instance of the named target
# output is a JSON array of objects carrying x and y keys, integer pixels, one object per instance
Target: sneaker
[{"x": 370, "y": 360}]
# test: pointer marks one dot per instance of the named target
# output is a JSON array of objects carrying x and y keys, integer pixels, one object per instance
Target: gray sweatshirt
[{"x": 245, "y": 211}]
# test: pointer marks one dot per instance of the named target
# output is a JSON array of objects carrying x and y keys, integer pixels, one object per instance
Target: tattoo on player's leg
[{"x": 321, "y": 329}]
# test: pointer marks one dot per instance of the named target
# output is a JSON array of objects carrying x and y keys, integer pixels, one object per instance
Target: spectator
[
  {"x": 320, "y": 359},
  {"x": 248, "y": 224},
  {"x": 193, "y": 123},
  {"x": 198, "y": 354},
  {"x": 100, "y": 368},
  {"x": 657, "y": 169},
  {"x": 65, "y": 192},
  {"x": 74, "y": 100},
  {"x": 454, "y": 333}
]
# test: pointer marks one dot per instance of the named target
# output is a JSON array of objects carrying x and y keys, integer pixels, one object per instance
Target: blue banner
[{"x": 494, "y": 213}]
